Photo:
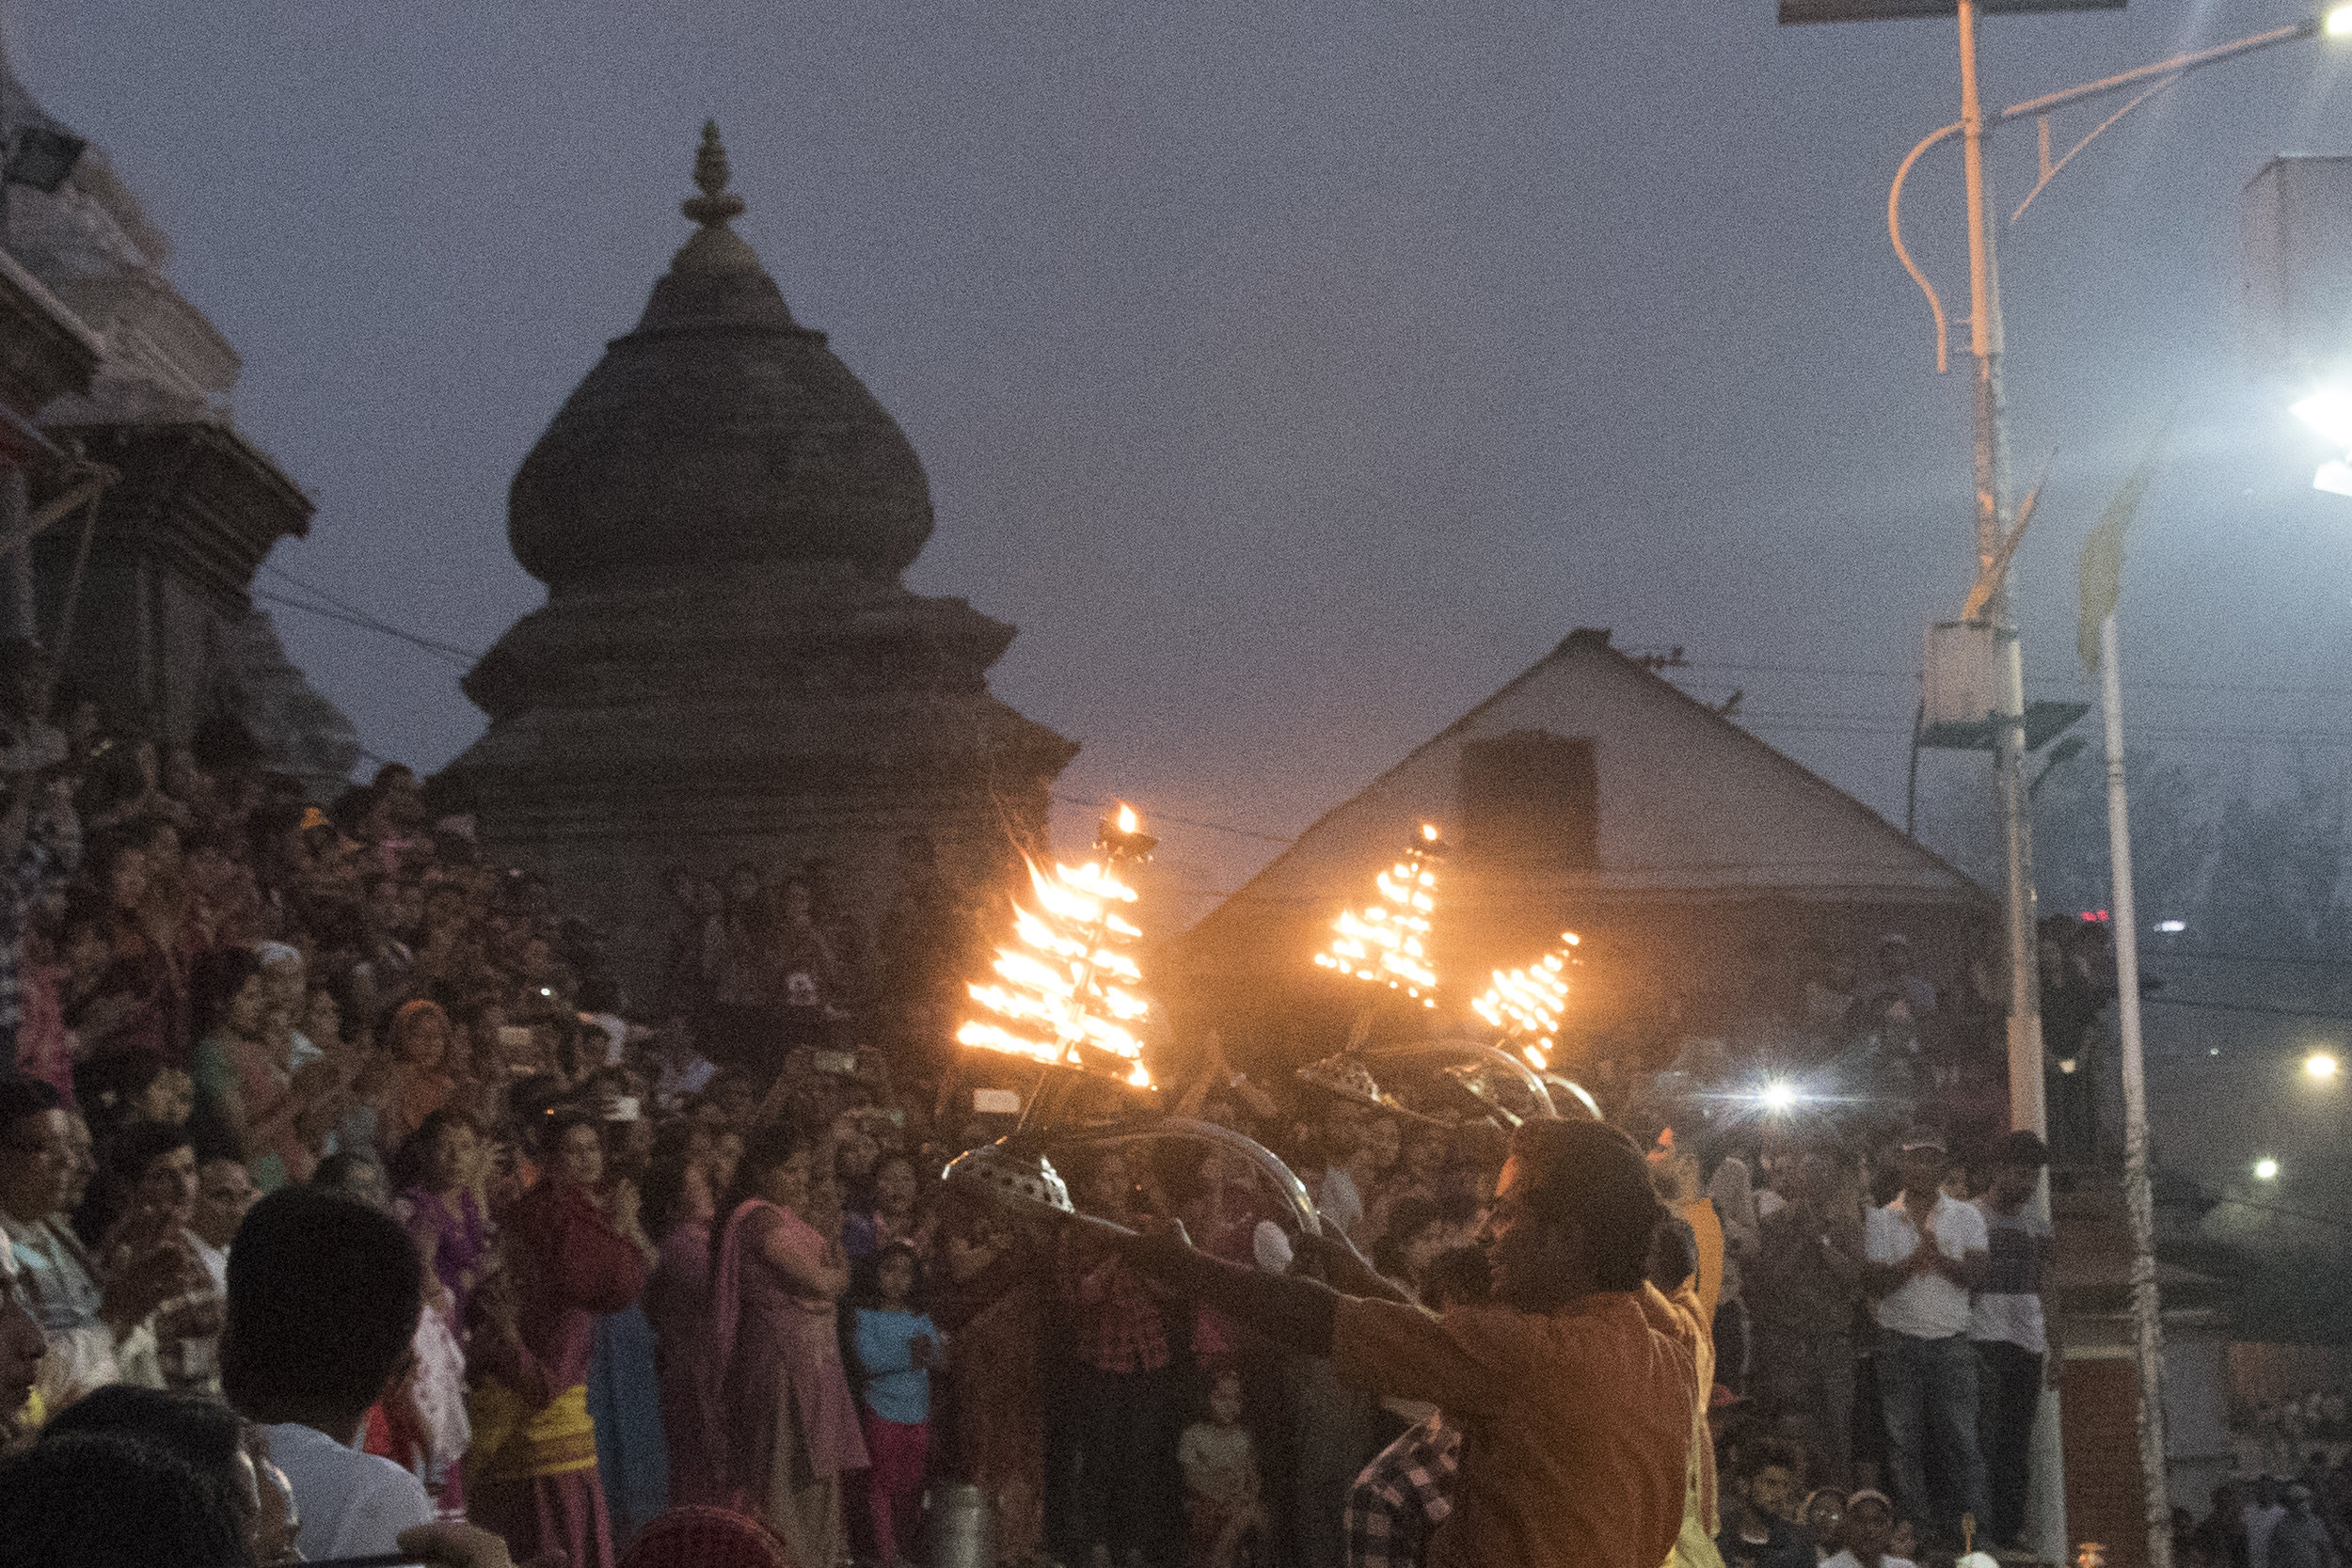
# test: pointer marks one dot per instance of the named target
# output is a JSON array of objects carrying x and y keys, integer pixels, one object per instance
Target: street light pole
[
  {"x": 2027, "y": 1102},
  {"x": 2027, "y": 1110}
]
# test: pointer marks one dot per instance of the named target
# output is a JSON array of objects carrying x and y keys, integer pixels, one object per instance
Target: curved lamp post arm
[
  {"x": 1903, "y": 252},
  {"x": 2156, "y": 76}
]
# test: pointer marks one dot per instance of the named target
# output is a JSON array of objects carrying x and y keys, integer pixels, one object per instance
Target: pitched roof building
[{"x": 1709, "y": 875}]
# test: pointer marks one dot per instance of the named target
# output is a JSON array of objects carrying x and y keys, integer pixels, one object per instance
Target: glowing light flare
[
  {"x": 2321, "y": 1066},
  {"x": 1778, "y": 1096},
  {"x": 2339, "y": 23},
  {"x": 1067, "y": 992},
  {"x": 2265, "y": 1169}
]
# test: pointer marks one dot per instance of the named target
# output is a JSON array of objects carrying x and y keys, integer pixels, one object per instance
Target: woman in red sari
[{"x": 535, "y": 1476}]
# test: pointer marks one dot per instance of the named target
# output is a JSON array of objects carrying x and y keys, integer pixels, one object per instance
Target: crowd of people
[{"x": 336, "y": 1170}]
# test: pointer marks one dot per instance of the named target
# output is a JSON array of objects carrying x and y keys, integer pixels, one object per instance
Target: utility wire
[
  {"x": 455, "y": 658},
  {"x": 373, "y": 621}
]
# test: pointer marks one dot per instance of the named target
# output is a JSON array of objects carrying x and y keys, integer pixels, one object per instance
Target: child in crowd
[
  {"x": 1869, "y": 1533},
  {"x": 896, "y": 1348},
  {"x": 1823, "y": 1517},
  {"x": 1222, "y": 1512}
]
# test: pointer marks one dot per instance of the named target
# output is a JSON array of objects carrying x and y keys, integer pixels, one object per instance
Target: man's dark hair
[
  {"x": 2021, "y": 1148},
  {"x": 341, "y": 1171},
  {"x": 24, "y": 1097},
  {"x": 140, "y": 1144},
  {"x": 108, "y": 1499},
  {"x": 324, "y": 1296},
  {"x": 1591, "y": 1176},
  {"x": 205, "y": 1432}
]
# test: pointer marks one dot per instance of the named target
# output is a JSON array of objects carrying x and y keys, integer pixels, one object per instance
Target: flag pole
[{"x": 2147, "y": 1321}]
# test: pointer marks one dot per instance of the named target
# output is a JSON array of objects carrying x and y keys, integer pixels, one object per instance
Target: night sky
[{"x": 1291, "y": 376}]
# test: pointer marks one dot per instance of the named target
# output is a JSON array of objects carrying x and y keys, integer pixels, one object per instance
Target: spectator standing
[
  {"x": 539, "y": 1487},
  {"x": 896, "y": 1345},
  {"x": 2261, "y": 1515},
  {"x": 1925, "y": 1254},
  {"x": 1407, "y": 1490},
  {"x": 435, "y": 1173},
  {"x": 792, "y": 1426},
  {"x": 994, "y": 1310},
  {"x": 2011, "y": 1326},
  {"x": 1804, "y": 1289},
  {"x": 679, "y": 1210},
  {"x": 1127, "y": 1495}
]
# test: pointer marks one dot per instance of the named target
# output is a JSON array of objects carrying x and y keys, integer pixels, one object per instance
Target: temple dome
[{"x": 719, "y": 434}]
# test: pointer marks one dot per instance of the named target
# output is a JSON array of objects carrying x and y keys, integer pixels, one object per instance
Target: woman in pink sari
[
  {"x": 533, "y": 1474},
  {"x": 792, "y": 1427}
]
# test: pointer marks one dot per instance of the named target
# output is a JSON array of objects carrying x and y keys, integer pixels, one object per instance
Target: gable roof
[{"x": 1691, "y": 807}]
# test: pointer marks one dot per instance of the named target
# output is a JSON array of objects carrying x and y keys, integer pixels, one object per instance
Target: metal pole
[
  {"x": 2147, "y": 1321},
  {"x": 2047, "y": 1520}
]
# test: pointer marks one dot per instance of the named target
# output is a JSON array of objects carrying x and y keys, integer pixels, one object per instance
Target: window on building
[{"x": 1532, "y": 799}]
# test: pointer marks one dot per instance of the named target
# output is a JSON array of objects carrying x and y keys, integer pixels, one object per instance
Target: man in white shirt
[
  {"x": 323, "y": 1298},
  {"x": 1922, "y": 1255},
  {"x": 2012, "y": 1328}
]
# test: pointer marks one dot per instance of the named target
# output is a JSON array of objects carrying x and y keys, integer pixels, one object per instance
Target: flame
[
  {"x": 1065, "y": 990},
  {"x": 1526, "y": 1003},
  {"x": 1387, "y": 943}
]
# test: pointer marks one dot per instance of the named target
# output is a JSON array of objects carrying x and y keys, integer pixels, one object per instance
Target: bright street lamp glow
[
  {"x": 2339, "y": 23},
  {"x": 2265, "y": 1169},
  {"x": 2172, "y": 927},
  {"x": 2320, "y": 1065},
  {"x": 2328, "y": 411},
  {"x": 1779, "y": 1095}
]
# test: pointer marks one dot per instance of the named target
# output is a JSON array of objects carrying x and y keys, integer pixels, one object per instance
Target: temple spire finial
[{"x": 717, "y": 204}]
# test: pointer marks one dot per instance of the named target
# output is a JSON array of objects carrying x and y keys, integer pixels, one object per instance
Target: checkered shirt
[
  {"x": 1116, "y": 1320},
  {"x": 1403, "y": 1494}
]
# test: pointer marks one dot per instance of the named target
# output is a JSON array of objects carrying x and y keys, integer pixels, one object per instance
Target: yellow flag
[{"x": 2102, "y": 570}]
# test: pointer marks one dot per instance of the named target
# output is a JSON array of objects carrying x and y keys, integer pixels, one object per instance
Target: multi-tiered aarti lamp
[
  {"x": 1526, "y": 1003},
  {"x": 1068, "y": 996},
  {"x": 1387, "y": 943},
  {"x": 1067, "y": 993}
]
